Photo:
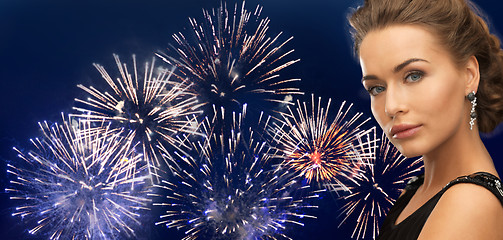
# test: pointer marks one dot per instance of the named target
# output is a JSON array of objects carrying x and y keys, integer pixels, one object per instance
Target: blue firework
[
  {"x": 79, "y": 182},
  {"x": 227, "y": 189},
  {"x": 231, "y": 59}
]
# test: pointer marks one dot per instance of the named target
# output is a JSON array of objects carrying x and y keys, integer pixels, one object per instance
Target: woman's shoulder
[
  {"x": 486, "y": 180},
  {"x": 467, "y": 211}
]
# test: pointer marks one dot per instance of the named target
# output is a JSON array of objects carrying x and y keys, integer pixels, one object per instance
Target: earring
[{"x": 473, "y": 115}]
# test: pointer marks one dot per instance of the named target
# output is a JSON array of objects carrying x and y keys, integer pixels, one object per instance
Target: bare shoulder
[{"x": 465, "y": 211}]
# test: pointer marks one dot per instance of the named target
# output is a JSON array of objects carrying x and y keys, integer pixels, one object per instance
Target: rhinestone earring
[{"x": 473, "y": 115}]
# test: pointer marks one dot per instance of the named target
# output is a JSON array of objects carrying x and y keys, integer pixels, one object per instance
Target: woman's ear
[{"x": 472, "y": 75}]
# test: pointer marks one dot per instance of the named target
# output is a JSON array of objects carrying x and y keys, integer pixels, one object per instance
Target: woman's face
[{"x": 417, "y": 92}]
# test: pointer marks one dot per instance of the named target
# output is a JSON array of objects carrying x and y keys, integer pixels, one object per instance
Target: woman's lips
[{"x": 404, "y": 130}]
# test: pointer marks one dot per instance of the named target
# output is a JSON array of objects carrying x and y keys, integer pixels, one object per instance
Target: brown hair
[{"x": 459, "y": 27}]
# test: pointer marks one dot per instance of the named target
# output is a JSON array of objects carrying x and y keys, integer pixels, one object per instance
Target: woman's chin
[{"x": 409, "y": 152}]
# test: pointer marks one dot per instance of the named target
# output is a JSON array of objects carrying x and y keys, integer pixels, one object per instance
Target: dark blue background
[{"x": 47, "y": 48}]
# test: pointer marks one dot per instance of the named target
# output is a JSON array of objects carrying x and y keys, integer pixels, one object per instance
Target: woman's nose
[{"x": 395, "y": 102}]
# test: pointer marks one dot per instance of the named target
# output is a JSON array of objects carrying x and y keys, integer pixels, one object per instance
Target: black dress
[{"x": 411, "y": 227}]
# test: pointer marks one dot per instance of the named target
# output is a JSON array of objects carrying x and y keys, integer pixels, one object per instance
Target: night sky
[{"x": 48, "y": 47}]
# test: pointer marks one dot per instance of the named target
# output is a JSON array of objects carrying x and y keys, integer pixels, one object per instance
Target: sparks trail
[
  {"x": 232, "y": 60},
  {"x": 79, "y": 182},
  {"x": 378, "y": 181},
  {"x": 315, "y": 146},
  {"x": 228, "y": 191},
  {"x": 152, "y": 105}
]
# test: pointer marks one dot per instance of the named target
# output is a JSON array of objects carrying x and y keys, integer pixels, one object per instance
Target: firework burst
[
  {"x": 315, "y": 146},
  {"x": 80, "y": 182},
  {"x": 381, "y": 176},
  {"x": 155, "y": 108},
  {"x": 231, "y": 59},
  {"x": 227, "y": 191}
]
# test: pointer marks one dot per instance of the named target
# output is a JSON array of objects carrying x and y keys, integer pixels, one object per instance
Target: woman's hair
[{"x": 459, "y": 27}]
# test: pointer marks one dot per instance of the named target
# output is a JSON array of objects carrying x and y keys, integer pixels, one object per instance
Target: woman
[{"x": 434, "y": 74}]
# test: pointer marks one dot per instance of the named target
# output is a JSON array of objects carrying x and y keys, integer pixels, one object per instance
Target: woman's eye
[
  {"x": 414, "y": 76},
  {"x": 374, "y": 91}
]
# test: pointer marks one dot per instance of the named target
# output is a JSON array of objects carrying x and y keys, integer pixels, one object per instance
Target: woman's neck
[{"x": 463, "y": 154}]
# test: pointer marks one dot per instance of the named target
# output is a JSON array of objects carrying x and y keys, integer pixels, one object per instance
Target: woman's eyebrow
[
  {"x": 400, "y": 66},
  {"x": 369, "y": 77}
]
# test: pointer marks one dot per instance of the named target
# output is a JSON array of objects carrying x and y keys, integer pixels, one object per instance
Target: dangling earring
[{"x": 473, "y": 115}]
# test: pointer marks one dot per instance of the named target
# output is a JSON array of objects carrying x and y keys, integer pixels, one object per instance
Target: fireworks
[
  {"x": 153, "y": 107},
  {"x": 89, "y": 178},
  {"x": 227, "y": 191},
  {"x": 314, "y": 146},
  {"x": 382, "y": 175},
  {"x": 80, "y": 182},
  {"x": 232, "y": 60}
]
